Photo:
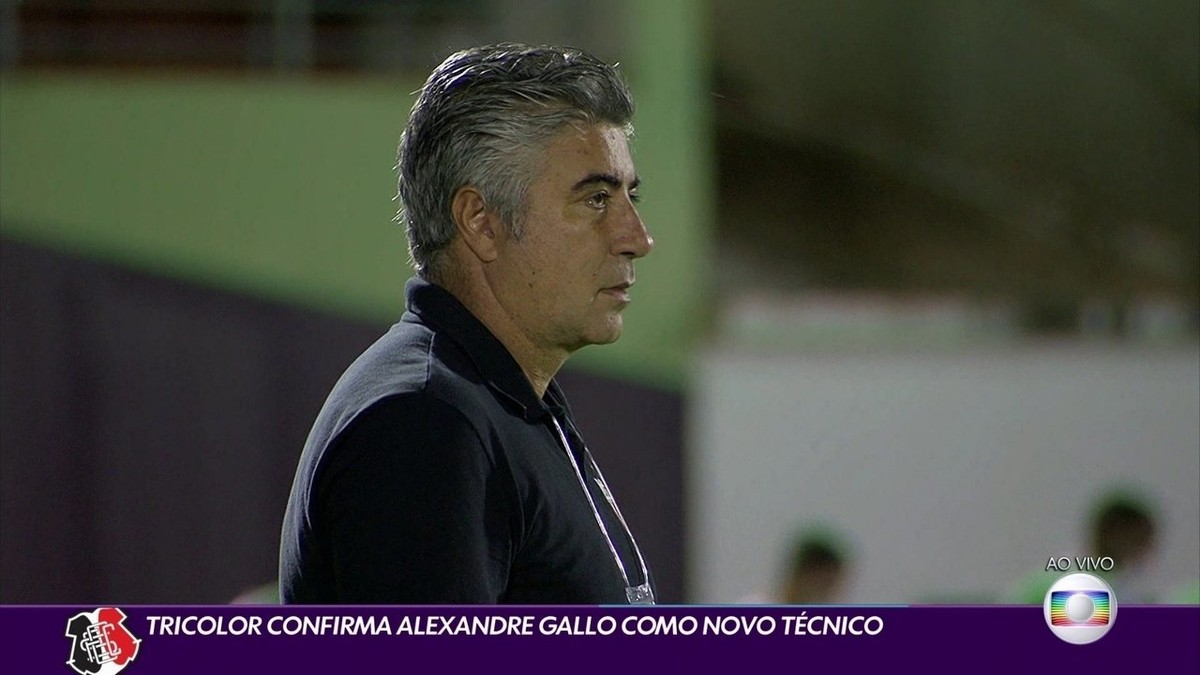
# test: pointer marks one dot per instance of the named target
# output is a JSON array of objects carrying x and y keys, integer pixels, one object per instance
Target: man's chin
[{"x": 609, "y": 333}]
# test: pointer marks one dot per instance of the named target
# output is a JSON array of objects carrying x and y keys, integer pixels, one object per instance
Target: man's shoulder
[
  {"x": 397, "y": 362},
  {"x": 418, "y": 418},
  {"x": 411, "y": 358},
  {"x": 410, "y": 370}
]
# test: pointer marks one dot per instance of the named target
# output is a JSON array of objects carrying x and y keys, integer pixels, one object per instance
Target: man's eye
[
  {"x": 635, "y": 197},
  {"x": 598, "y": 200}
]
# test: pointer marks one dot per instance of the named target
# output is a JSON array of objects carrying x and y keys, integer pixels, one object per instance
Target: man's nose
[{"x": 632, "y": 238}]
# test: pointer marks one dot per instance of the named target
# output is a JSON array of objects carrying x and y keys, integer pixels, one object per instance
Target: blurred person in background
[
  {"x": 262, "y": 594},
  {"x": 1185, "y": 594},
  {"x": 1122, "y": 526},
  {"x": 815, "y": 571},
  {"x": 445, "y": 466}
]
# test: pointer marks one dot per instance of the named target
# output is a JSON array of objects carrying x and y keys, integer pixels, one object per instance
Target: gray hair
[{"x": 481, "y": 118}]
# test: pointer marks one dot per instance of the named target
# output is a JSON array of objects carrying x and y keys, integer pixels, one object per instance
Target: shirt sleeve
[{"x": 413, "y": 508}]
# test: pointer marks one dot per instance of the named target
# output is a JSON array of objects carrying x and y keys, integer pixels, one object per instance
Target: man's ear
[{"x": 477, "y": 225}]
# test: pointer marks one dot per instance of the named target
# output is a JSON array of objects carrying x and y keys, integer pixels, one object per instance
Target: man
[
  {"x": 1123, "y": 527},
  {"x": 445, "y": 467},
  {"x": 815, "y": 570}
]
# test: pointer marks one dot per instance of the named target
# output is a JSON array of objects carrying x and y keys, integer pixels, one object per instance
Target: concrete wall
[{"x": 952, "y": 473}]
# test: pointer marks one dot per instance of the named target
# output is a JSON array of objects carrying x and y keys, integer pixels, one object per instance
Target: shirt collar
[{"x": 439, "y": 309}]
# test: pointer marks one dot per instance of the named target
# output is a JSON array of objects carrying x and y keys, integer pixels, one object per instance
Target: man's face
[{"x": 566, "y": 280}]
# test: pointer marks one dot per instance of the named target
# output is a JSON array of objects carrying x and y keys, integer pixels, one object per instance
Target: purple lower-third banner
[{"x": 136, "y": 639}]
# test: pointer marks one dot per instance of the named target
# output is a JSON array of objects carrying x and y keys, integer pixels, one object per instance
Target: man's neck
[{"x": 539, "y": 365}]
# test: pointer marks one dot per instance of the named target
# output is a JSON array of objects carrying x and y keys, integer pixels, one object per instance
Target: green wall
[
  {"x": 276, "y": 188},
  {"x": 282, "y": 187}
]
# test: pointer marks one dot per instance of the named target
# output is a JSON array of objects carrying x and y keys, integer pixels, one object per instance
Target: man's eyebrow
[{"x": 605, "y": 178}]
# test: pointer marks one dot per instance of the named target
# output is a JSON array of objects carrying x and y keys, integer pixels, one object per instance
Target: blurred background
[{"x": 927, "y": 278}]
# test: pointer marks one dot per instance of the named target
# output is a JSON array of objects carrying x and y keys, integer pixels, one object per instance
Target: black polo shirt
[{"x": 434, "y": 475}]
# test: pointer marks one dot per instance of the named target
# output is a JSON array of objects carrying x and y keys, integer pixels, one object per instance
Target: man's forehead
[{"x": 591, "y": 153}]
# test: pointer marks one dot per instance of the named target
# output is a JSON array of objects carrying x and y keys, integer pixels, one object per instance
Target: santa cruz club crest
[{"x": 100, "y": 642}]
